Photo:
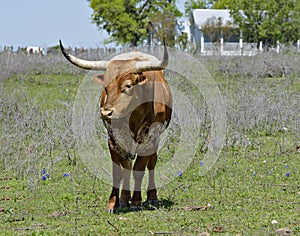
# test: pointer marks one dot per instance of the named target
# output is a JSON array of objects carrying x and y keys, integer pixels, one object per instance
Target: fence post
[
  {"x": 241, "y": 47},
  {"x": 278, "y": 46},
  {"x": 260, "y": 46},
  {"x": 202, "y": 44},
  {"x": 222, "y": 45},
  {"x": 222, "y": 42}
]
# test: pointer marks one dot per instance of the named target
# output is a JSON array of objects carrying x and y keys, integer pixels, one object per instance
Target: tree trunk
[{"x": 135, "y": 41}]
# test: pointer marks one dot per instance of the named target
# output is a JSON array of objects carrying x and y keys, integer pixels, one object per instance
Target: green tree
[
  {"x": 282, "y": 21},
  {"x": 182, "y": 41},
  {"x": 127, "y": 21},
  {"x": 194, "y": 4},
  {"x": 221, "y": 4},
  {"x": 266, "y": 21},
  {"x": 163, "y": 18},
  {"x": 189, "y": 5}
]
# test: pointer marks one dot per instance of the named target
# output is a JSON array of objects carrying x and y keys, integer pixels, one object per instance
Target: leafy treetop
[{"x": 130, "y": 21}]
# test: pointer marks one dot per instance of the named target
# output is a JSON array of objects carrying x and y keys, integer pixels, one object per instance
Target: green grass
[
  {"x": 240, "y": 202},
  {"x": 49, "y": 91},
  {"x": 244, "y": 192}
]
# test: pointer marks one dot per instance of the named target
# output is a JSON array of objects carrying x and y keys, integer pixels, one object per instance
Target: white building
[{"x": 206, "y": 44}]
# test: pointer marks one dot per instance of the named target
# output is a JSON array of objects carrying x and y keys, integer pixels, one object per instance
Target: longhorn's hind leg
[{"x": 151, "y": 192}]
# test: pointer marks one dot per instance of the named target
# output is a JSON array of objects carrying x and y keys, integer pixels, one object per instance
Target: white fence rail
[{"x": 243, "y": 49}]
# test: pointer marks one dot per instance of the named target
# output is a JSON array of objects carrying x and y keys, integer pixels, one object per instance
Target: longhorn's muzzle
[{"x": 106, "y": 113}]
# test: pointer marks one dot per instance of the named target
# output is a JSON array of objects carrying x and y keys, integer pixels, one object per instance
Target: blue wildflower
[
  {"x": 180, "y": 173},
  {"x": 254, "y": 173},
  {"x": 287, "y": 174},
  {"x": 44, "y": 177},
  {"x": 235, "y": 163},
  {"x": 66, "y": 174},
  {"x": 201, "y": 163},
  {"x": 286, "y": 166},
  {"x": 43, "y": 170},
  {"x": 272, "y": 171}
]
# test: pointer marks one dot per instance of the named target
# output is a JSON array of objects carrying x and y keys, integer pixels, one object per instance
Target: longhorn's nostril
[
  {"x": 109, "y": 113},
  {"x": 106, "y": 113}
]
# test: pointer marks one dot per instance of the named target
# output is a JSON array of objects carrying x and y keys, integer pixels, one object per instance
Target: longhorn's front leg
[
  {"x": 113, "y": 202},
  {"x": 117, "y": 172},
  {"x": 125, "y": 194}
]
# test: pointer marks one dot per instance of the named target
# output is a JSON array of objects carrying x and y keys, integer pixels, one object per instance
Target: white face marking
[{"x": 105, "y": 98}]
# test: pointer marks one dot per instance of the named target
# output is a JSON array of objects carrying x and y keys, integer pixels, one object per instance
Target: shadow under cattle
[{"x": 146, "y": 206}]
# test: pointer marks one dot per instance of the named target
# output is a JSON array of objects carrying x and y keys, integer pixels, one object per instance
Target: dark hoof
[
  {"x": 136, "y": 208},
  {"x": 124, "y": 205},
  {"x": 154, "y": 202}
]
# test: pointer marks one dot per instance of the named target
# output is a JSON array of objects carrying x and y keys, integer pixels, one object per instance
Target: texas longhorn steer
[{"x": 135, "y": 106}]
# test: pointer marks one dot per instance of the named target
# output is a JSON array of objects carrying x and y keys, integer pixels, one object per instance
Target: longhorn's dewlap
[{"x": 136, "y": 107}]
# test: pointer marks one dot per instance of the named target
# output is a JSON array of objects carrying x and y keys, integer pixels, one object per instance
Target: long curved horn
[
  {"x": 84, "y": 64},
  {"x": 160, "y": 66}
]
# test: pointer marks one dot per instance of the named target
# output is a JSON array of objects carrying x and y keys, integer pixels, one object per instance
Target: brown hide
[
  {"x": 157, "y": 109},
  {"x": 136, "y": 106},
  {"x": 152, "y": 112}
]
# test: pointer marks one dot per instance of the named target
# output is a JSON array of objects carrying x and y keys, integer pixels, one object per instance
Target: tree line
[{"x": 135, "y": 21}]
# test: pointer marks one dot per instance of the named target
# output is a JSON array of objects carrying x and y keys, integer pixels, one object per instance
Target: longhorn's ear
[
  {"x": 99, "y": 79},
  {"x": 141, "y": 78}
]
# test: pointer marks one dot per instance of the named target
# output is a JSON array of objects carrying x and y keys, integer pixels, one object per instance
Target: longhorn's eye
[{"x": 127, "y": 86}]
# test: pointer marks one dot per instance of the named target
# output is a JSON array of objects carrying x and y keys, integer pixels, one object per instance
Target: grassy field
[{"x": 254, "y": 189}]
